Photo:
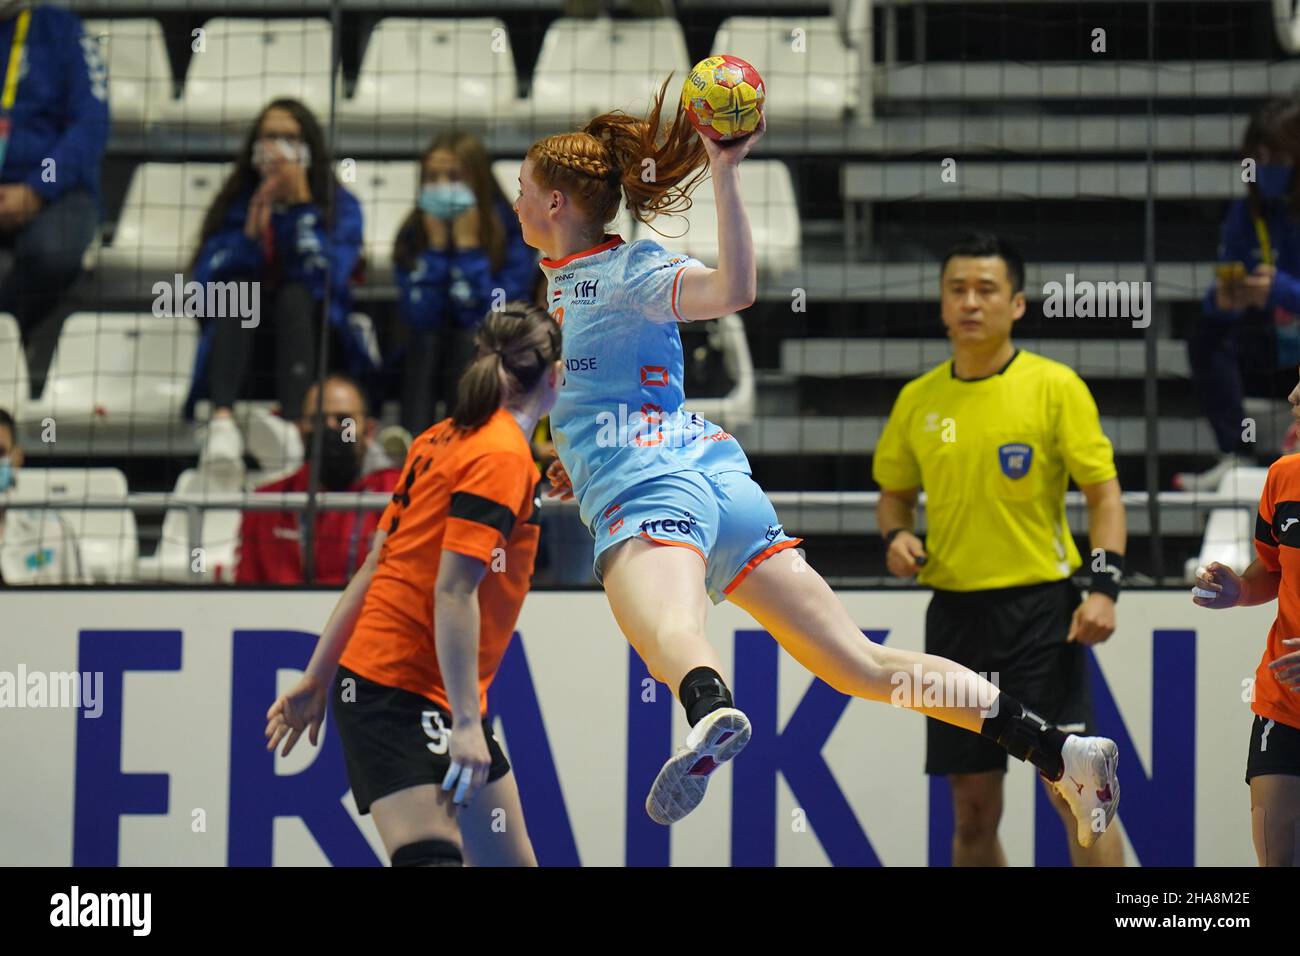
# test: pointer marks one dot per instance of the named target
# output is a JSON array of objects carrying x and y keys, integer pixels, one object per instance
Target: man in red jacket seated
[{"x": 271, "y": 542}]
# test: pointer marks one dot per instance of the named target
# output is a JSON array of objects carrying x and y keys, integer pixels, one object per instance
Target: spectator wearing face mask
[
  {"x": 1247, "y": 341},
  {"x": 54, "y": 111},
  {"x": 457, "y": 255},
  {"x": 271, "y": 542},
  {"x": 282, "y": 220}
]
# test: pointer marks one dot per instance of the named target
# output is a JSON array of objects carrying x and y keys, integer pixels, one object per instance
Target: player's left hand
[
  {"x": 1287, "y": 667},
  {"x": 731, "y": 153},
  {"x": 300, "y": 709},
  {"x": 19, "y": 205},
  {"x": 1093, "y": 620}
]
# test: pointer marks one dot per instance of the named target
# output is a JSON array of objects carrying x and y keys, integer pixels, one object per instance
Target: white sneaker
[
  {"x": 1209, "y": 480},
  {"x": 679, "y": 788},
  {"x": 221, "y": 448},
  {"x": 1090, "y": 785}
]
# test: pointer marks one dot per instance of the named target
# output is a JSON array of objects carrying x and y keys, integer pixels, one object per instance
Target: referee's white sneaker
[
  {"x": 679, "y": 788},
  {"x": 1090, "y": 784}
]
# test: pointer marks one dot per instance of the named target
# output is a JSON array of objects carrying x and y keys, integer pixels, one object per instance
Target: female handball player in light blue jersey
[{"x": 678, "y": 520}]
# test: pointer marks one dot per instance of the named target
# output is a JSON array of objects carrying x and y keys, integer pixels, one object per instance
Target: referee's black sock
[
  {"x": 702, "y": 691},
  {"x": 1025, "y": 735}
]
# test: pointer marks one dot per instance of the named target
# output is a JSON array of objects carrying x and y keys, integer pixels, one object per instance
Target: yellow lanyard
[
  {"x": 15, "y": 63},
  {"x": 1261, "y": 233}
]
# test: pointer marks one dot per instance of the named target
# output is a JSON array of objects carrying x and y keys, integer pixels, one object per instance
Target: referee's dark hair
[
  {"x": 7, "y": 421},
  {"x": 980, "y": 245}
]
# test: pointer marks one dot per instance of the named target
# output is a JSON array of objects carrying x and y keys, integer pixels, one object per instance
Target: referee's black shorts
[
  {"x": 1015, "y": 637},
  {"x": 393, "y": 739}
]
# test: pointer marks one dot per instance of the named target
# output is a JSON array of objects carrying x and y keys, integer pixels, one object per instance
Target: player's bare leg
[
  {"x": 1275, "y": 819},
  {"x": 493, "y": 829},
  {"x": 800, "y": 610},
  {"x": 414, "y": 816},
  {"x": 659, "y": 600},
  {"x": 977, "y": 810}
]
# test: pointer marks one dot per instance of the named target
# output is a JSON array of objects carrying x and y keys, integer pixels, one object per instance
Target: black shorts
[
  {"x": 1274, "y": 748},
  {"x": 393, "y": 739},
  {"x": 1015, "y": 637}
]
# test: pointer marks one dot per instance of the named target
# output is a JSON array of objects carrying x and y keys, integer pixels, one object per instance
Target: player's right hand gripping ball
[{"x": 723, "y": 97}]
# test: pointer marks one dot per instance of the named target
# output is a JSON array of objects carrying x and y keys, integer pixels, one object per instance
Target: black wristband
[
  {"x": 1108, "y": 578},
  {"x": 889, "y": 538}
]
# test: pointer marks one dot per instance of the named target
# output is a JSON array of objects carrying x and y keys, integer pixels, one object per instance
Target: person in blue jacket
[
  {"x": 283, "y": 220},
  {"x": 58, "y": 122},
  {"x": 457, "y": 254},
  {"x": 1246, "y": 340}
]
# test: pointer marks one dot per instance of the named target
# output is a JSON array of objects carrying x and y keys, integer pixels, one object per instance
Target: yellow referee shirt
[{"x": 994, "y": 457}]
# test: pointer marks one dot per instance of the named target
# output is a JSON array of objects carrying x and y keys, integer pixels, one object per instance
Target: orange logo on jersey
[
  {"x": 558, "y": 316},
  {"x": 656, "y": 375}
]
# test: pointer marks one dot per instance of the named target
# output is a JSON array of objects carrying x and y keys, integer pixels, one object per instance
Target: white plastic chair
[
  {"x": 421, "y": 71},
  {"x": 808, "y": 72},
  {"x": 387, "y": 193},
  {"x": 158, "y": 230},
  {"x": 1230, "y": 532},
  {"x": 587, "y": 67},
  {"x": 247, "y": 62},
  {"x": 174, "y": 561},
  {"x": 773, "y": 217},
  {"x": 139, "y": 73},
  {"x": 119, "y": 369},
  {"x": 107, "y": 538},
  {"x": 13, "y": 367},
  {"x": 737, "y": 406}
]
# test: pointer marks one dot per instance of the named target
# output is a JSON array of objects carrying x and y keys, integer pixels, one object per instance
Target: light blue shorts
[{"x": 725, "y": 518}]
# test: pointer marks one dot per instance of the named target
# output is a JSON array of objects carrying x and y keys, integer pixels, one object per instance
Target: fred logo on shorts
[{"x": 1015, "y": 459}]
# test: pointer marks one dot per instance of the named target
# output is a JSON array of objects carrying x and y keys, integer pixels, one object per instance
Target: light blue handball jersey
[{"x": 620, "y": 417}]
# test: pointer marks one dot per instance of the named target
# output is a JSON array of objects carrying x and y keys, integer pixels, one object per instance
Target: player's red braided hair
[{"x": 617, "y": 153}]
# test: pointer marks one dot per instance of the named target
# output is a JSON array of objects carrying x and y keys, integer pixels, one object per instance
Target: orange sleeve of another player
[
  {"x": 485, "y": 503},
  {"x": 1265, "y": 540}
]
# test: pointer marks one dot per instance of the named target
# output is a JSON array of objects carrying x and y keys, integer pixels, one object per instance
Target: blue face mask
[
  {"x": 1272, "y": 180},
  {"x": 6, "y": 474},
  {"x": 446, "y": 200}
]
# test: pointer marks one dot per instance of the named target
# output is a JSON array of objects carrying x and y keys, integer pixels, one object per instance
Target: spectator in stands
[
  {"x": 457, "y": 255},
  {"x": 51, "y": 146},
  {"x": 283, "y": 220},
  {"x": 271, "y": 542},
  {"x": 36, "y": 544},
  {"x": 1246, "y": 341}
]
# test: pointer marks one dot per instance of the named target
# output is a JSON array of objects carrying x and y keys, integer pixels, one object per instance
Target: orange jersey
[
  {"x": 1277, "y": 542},
  {"x": 476, "y": 494}
]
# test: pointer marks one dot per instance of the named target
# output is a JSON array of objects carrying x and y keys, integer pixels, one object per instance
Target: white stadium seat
[
  {"x": 119, "y": 369},
  {"x": 107, "y": 538},
  {"x": 158, "y": 230},
  {"x": 387, "y": 192},
  {"x": 737, "y": 406},
  {"x": 13, "y": 367},
  {"x": 218, "y": 537},
  {"x": 506, "y": 172},
  {"x": 586, "y": 67},
  {"x": 810, "y": 75},
  {"x": 247, "y": 62},
  {"x": 139, "y": 73},
  {"x": 418, "y": 72},
  {"x": 1230, "y": 532},
  {"x": 773, "y": 217}
]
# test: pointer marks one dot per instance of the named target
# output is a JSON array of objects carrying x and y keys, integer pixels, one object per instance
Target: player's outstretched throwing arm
[{"x": 733, "y": 285}]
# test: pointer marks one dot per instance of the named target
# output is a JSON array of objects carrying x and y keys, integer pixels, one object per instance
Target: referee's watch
[{"x": 1107, "y": 573}]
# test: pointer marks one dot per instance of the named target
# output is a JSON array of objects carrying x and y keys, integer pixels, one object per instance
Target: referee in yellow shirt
[{"x": 993, "y": 437}]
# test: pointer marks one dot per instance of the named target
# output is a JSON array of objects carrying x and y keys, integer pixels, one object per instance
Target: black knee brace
[{"x": 428, "y": 853}]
